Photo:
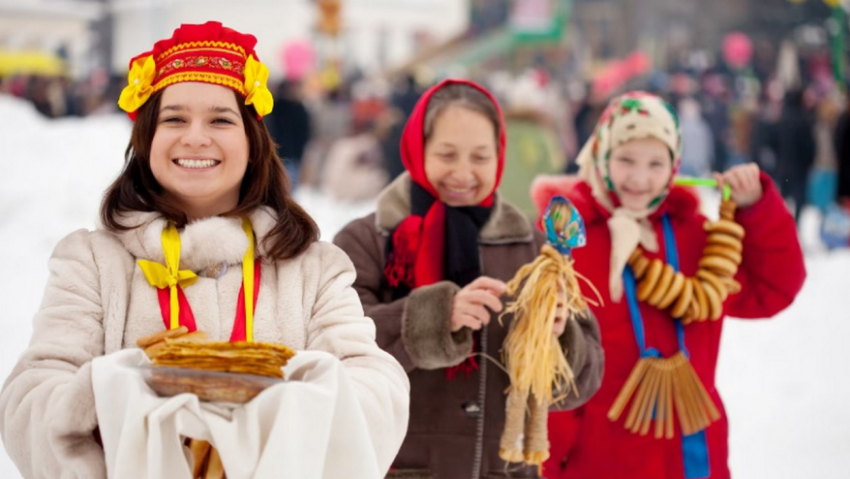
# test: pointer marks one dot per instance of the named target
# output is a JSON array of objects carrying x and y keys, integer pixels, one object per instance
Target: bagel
[
  {"x": 726, "y": 227},
  {"x": 692, "y": 314},
  {"x": 714, "y": 302},
  {"x": 662, "y": 287},
  {"x": 722, "y": 265},
  {"x": 715, "y": 281},
  {"x": 639, "y": 267},
  {"x": 673, "y": 292},
  {"x": 725, "y": 251},
  {"x": 647, "y": 285},
  {"x": 636, "y": 255},
  {"x": 732, "y": 286},
  {"x": 701, "y": 300},
  {"x": 729, "y": 207},
  {"x": 681, "y": 306},
  {"x": 725, "y": 240}
]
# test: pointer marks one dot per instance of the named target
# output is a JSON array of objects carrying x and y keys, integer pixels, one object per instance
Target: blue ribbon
[{"x": 695, "y": 446}]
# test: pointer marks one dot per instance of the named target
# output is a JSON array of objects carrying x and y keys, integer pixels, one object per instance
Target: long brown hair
[{"x": 265, "y": 184}]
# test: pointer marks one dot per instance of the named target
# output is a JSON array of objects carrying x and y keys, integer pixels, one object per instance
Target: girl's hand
[
  {"x": 470, "y": 307},
  {"x": 744, "y": 183}
]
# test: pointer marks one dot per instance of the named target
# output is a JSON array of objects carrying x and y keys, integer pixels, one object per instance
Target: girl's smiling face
[{"x": 640, "y": 170}]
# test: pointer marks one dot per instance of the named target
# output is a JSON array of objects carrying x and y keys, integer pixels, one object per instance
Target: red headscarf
[{"x": 418, "y": 241}]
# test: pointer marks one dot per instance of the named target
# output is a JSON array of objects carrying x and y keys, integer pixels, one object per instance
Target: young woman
[
  {"x": 431, "y": 263},
  {"x": 201, "y": 179},
  {"x": 625, "y": 195}
]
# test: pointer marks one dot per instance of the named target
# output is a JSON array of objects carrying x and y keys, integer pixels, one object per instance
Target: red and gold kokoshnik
[{"x": 209, "y": 53}]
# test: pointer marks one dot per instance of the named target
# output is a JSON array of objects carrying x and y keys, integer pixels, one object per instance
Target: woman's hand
[
  {"x": 744, "y": 183},
  {"x": 470, "y": 307}
]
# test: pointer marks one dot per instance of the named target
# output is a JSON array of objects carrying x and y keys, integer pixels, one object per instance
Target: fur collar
[
  {"x": 506, "y": 224},
  {"x": 681, "y": 202},
  {"x": 203, "y": 243}
]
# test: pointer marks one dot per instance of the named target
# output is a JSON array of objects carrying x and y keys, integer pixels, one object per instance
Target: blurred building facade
[
  {"x": 374, "y": 34},
  {"x": 40, "y": 33}
]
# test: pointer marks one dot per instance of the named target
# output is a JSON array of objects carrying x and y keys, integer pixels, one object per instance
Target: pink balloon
[
  {"x": 298, "y": 59},
  {"x": 737, "y": 49}
]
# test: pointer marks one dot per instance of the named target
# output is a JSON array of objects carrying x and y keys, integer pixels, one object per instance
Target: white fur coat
[{"x": 97, "y": 301}]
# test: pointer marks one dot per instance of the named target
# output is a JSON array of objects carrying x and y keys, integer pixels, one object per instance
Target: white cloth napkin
[{"x": 310, "y": 426}]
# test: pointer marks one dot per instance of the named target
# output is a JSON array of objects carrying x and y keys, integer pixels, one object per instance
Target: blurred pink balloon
[
  {"x": 298, "y": 58},
  {"x": 737, "y": 49}
]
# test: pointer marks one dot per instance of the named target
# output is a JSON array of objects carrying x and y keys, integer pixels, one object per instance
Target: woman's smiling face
[
  {"x": 461, "y": 156},
  {"x": 200, "y": 151}
]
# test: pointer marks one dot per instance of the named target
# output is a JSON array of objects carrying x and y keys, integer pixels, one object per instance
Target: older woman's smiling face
[{"x": 461, "y": 156}]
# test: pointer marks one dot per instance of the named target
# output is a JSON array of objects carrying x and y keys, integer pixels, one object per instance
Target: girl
[
  {"x": 625, "y": 196},
  {"x": 200, "y": 165},
  {"x": 431, "y": 263}
]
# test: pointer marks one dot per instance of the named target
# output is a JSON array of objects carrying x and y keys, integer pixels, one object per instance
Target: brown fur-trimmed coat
[{"x": 454, "y": 421}]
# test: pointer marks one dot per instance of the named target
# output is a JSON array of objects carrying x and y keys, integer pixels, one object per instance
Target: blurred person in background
[
  {"x": 715, "y": 110},
  {"x": 290, "y": 126},
  {"x": 697, "y": 142},
  {"x": 354, "y": 168},
  {"x": 332, "y": 119},
  {"x": 822, "y": 181},
  {"x": 388, "y": 130},
  {"x": 842, "y": 155},
  {"x": 795, "y": 149},
  {"x": 763, "y": 139}
]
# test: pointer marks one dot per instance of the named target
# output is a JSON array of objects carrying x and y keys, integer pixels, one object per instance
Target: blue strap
[
  {"x": 695, "y": 446},
  {"x": 672, "y": 252},
  {"x": 695, "y": 456},
  {"x": 634, "y": 312}
]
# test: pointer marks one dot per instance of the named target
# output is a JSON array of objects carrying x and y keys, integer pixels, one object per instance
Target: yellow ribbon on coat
[
  {"x": 248, "y": 280},
  {"x": 169, "y": 275}
]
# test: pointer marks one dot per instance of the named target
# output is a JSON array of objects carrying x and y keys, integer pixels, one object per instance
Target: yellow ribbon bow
[
  {"x": 139, "y": 84},
  {"x": 169, "y": 275},
  {"x": 256, "y": 86}
]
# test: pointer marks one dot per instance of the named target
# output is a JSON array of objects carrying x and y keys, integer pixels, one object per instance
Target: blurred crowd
[
  {"x": 343, "y": 140},
  {"x": 59, "y": 96}
]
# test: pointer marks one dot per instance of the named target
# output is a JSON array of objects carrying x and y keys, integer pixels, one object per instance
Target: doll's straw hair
[{"x": 533, "y": 355}]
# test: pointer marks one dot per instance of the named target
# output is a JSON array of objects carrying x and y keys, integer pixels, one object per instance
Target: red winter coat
[{"x": 584, "y": 442}]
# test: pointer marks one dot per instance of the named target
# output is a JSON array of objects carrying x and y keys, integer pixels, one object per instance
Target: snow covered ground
[{"x": 785, "y": 382}]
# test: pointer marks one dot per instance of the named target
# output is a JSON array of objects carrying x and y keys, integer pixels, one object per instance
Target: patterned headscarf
[{"x": 631, "y": 116}]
